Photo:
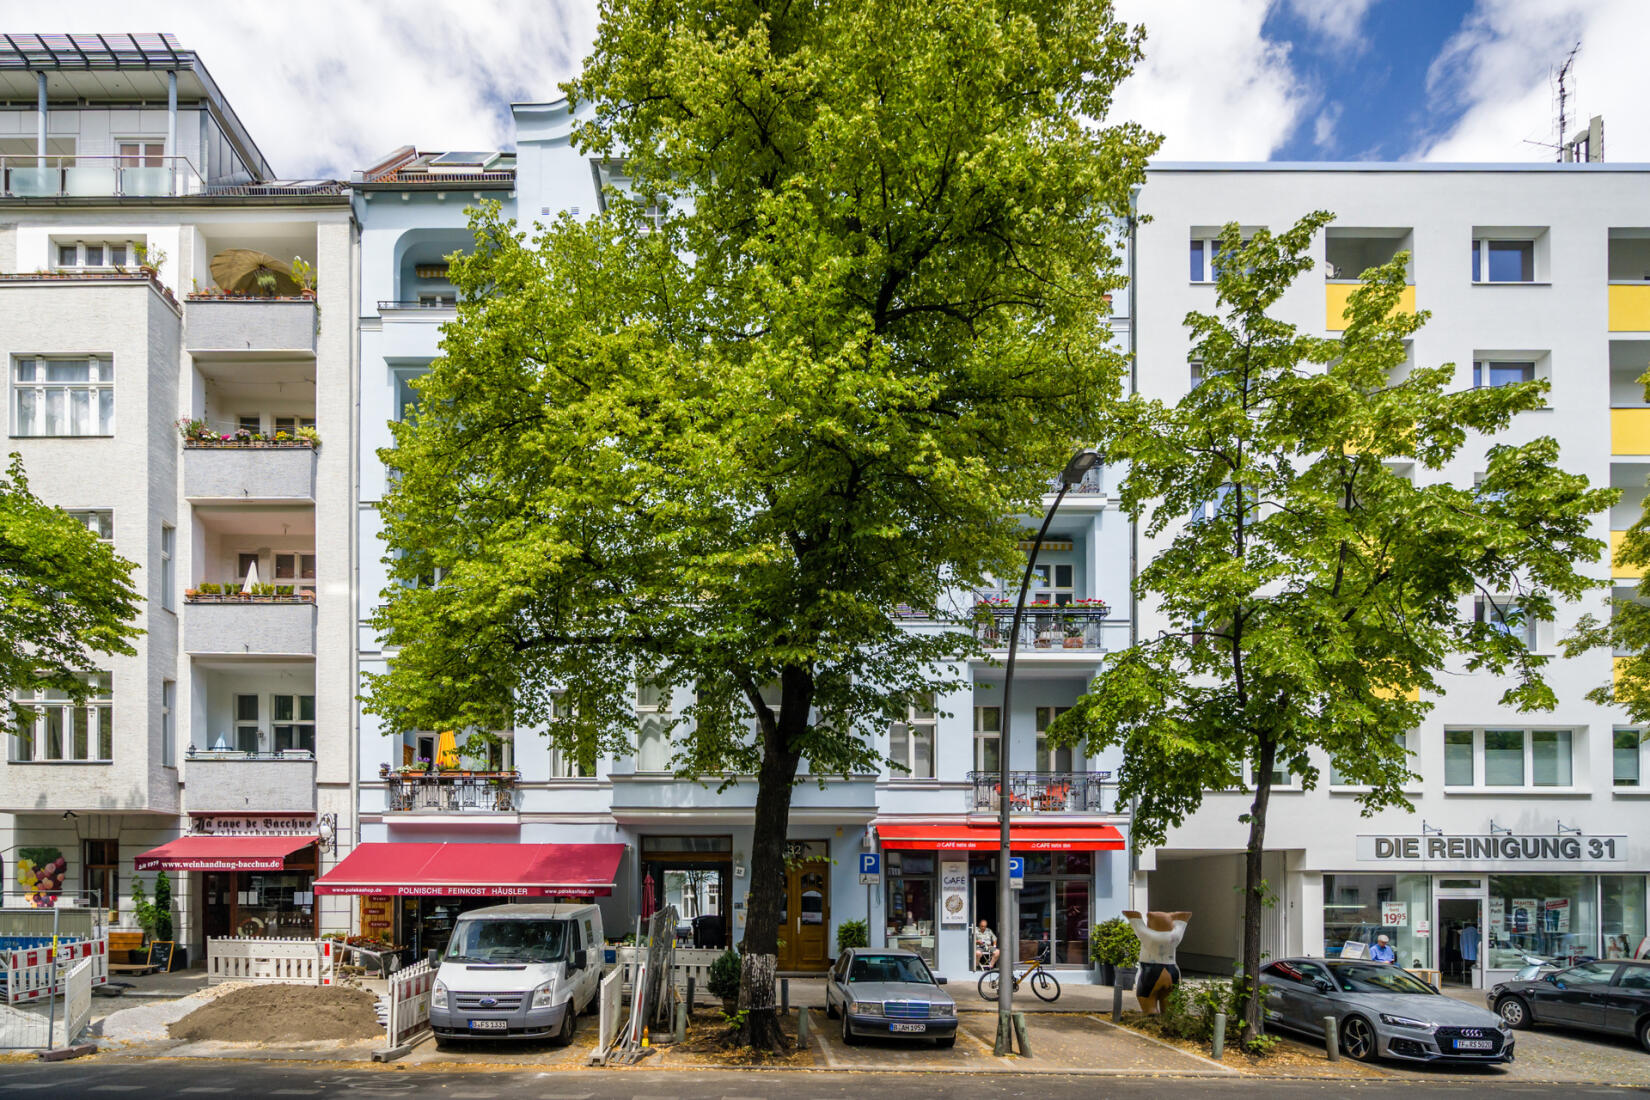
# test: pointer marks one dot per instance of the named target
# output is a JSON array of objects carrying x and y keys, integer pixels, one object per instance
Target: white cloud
[
  {"x": 1211, "y": 83},
  {"x": 1339, "y": 21},
  {"x": 1493, "y": 78},
  {"x": 328, "y": 86},
  {"x": 1323, "y": 127}
]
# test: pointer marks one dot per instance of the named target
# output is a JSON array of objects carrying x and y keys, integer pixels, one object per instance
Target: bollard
[
  {"x": 802, "y": 1026},
  {"x": 1219, "y": 1047},
  {"x": 1116, "y": 1004},
  {"x": 1331, "y": 1039},
  {"x": 784, "y": 996},
  {"x": 681, "y": 1022},
  {"x": 1005, "y": 1036},
  {"x": 690, "y": 996},
  {"x": 1020, "y": 1034}
]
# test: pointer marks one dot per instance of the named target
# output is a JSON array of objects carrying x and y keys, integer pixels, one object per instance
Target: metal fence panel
[{"x": 77, "y": 1001}]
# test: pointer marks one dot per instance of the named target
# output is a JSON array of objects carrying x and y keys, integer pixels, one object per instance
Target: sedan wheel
[
  {"x": 849, "y": 1039},
  {"x": 1644, "y": 1034},
  {"x": 1513, "y": 1012},
  {"x": 1358, "y": 1039},
  {"x": 830, "y": 1008}
]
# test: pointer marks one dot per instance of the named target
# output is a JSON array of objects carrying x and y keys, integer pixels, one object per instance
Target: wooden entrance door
[{"x": 806, "y": 922}]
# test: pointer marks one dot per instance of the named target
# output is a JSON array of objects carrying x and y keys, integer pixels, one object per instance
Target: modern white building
[
  {"x": 1528, "y": 832},
  {"x": 203, "y": 424}
]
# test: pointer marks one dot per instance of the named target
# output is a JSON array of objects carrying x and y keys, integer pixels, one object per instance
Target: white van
[{"x": 518, "y": 972}]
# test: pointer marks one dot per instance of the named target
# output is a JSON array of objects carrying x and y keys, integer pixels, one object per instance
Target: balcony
[
  {"x": 240, "y": 626},
  {"x": 247, "y": 782},
  {"x": 1618, "y": 570},
  {"x": 1073, "y": 626},
  {"x": 1630, "y": 307},
  {"x": 1045, "y": 792},
  {"x": 1089, "y": 486},
  {"x": 1337, "y": 295},
  {"x": 281, "y": 472},
  {"x": 54, "y": 177},
  {"x": 1630, "y": 431},
  {"x": 451, "y": 792},
  {"x": 248, "y": 326}
]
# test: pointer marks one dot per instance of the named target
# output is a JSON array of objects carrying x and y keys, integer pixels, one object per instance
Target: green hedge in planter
[{"x": 1113, "y": 943}]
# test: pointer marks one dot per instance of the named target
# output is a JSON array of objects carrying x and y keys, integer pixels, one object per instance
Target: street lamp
[{"x": 1081, "y": 463}]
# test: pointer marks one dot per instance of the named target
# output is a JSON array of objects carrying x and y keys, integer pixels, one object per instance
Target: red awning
[
  {"x": 964, "y": 837},
  {"x": 223, "y": 853},
  {"x": 475, "y": 870}
]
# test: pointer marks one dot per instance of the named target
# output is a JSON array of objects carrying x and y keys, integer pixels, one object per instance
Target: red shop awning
[
  {"x": 223, "y": 853},
  {"x": 964, "y": 837},
  {"x": 475, "y": 870}
]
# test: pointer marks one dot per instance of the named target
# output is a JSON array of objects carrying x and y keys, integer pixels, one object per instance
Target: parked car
[
  {"x": 1381, "y": 1011},
  {"x": 889, "y": 992},
  {"x": 1611, "y": 996}
]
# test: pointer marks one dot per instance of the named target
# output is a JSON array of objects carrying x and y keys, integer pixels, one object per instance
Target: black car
[{"x": 1608, "y": 995}]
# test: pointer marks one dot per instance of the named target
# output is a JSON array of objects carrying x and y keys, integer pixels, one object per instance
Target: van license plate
[
  {"x": 1474, "y": 1044},
  {"x": 908, "y": 1027},
  {"x": 489, "y": 1025}
]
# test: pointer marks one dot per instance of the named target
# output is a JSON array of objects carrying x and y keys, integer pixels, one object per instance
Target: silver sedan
[
  {"x": 889, "y": 992},
  {"x": 1381, "y": 1011}
]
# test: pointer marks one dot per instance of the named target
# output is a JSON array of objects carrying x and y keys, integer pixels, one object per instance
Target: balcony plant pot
[{"x": 1074, "y": 641}]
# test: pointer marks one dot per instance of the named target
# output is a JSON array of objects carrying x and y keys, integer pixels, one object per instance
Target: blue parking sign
[
  {"x": 870, "y": 868},
  {"x": 1016, "y": 872}
]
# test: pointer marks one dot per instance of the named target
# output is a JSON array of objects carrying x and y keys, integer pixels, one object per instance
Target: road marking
[
  {"x": 114, "y": 1088},
  {"x": 296, "y": 1092},
  {"x": 215, "y": 1089},
  {"x": 18, "y": 1086}
]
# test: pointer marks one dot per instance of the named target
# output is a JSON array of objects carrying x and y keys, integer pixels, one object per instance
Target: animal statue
[{"x": 1159, "y": 934}]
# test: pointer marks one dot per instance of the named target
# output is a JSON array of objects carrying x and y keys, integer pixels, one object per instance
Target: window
[
  {"x": 1488, "y": 373},
  {"x": 294, "y": 723},
  {"x": 1196, "y": 370},
  {"x": 250, "y": 422},
  {"x": 406, "y": 397},
  {"x": 100, "y": 523},
  {"x": 1505, "y": 615},
  {"x": 63, "y": 397},
  {"x": 244, "y": 564},
  {"x": 1509, "y": 758},
  {"x": 138, "y": 153},
  {"x": 1336, "y": 779},
  {"x": 1626, "y": 758},
  {"x": 297, "y": 570},
  {"x": 168, "y": 723},
  {"x": 1205, "y": 254},
  {"x": 1051, "y": 583},
  {"x": 168, "y": 542},
  {"x": 911, "y": 745},
  {"x": 438, "y": 299},
  {"x": 1503, "y": 261},
  {"x": 1050, "y": 759},
  {"x": 564, "y": 763},
  {"x": 246, "y": 723},
  {"x": 291, "y": 424},
  {"x": 1458, "y": 759},
  {"x": 102, "y": 861},
  {"x": 96, "y": 255},
  {"x": 1503, "y": 758},
  {"x": 988, "y": 735},
  {"x": 65, "y": 732}
]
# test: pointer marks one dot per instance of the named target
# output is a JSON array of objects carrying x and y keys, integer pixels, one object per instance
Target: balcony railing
[
  {"x": 472, "y": 792},
  {"x": 98, "y": 177},
  {"x": 1044, "y": 626},
  {"x": 1086, "y": 487},
  {"x": 410, "y": 303},
  {"x": 1046, "y": 792}
]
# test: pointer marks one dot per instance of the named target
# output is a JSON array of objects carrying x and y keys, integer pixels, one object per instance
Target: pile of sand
[{"x": 282, "y": 1013}]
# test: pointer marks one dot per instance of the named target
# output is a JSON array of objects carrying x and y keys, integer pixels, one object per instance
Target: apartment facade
[
  {"x": 194, "y": 408},
  {"x": 1528, "y": 829}
]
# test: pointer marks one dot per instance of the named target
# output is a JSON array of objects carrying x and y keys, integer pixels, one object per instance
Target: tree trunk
[
  {"x": 775, "y": 780},
  {"x": 1254, "y": 890}
]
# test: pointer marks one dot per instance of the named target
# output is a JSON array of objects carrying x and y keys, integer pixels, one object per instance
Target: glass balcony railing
[
  {"x": 29, "y": 177},
  {"x": 1617, "y": 569}
]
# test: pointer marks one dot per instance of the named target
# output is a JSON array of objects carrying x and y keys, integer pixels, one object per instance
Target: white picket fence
[
  {"x": 610, "y": 1002},
  {"x": 688, "y": 962},
  {"x": 249, "y": 959},
  {"x": 409, "y": 1003},
  {"x": 29, "y": 974},
  {"x": 77, "y": 1001}
]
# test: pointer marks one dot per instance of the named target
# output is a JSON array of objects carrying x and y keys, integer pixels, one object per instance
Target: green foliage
[
  {"x": 723, "y": 980},
  {"x": 163, "y": 906},
  {"x": 852, "y": 933},
  {"x": 1113, "y": 943},
  {"x": 144, "y": 911},
  {"x": 65, "y": 600},
  {"x": 1192, "y": 1007}
]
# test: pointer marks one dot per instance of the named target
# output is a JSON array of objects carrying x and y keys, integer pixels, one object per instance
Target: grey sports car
[
  {"x": 1381, "y": 1011},
  {"x": 889, "y": 992}
]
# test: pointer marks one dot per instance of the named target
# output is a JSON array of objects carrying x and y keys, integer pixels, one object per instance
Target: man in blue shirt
[{"x": 1382, "y": 951}]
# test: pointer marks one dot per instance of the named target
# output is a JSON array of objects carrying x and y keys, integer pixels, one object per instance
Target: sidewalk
[
  {"x": 179, "y": 983},
  {"x": 964, "y": 990}
]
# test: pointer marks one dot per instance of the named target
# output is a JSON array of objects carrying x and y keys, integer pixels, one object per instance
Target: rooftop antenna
[{"x": 1561, "y": 94}]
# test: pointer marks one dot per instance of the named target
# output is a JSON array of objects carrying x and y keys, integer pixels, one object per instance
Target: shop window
[
  {"x": 912, "y": 886},
  {"x": 1358, "y": 908},
  {"x": 1627, "y": 758},
  {"x": 102, "y": 861},
  {"x": 1621, "y": 914},
  {"x": 1554, "y": 916},
  {"x": 988, "y": 739},
  {"x": 911, "y": 742}
]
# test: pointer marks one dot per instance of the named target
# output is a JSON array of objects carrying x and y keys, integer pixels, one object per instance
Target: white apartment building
[
  {"x": 1528, "y": 829},
  {"x": 203, "y": 423}
]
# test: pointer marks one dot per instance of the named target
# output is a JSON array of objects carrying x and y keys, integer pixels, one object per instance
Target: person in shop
[
  {"x": 1382, "y": 952},
  {"x": 985, "y": 946}
]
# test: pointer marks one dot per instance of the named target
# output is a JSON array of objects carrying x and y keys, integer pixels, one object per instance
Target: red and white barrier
[
  {"x": 409, "y": 1000},
  {"x": 33, "y": 972}
]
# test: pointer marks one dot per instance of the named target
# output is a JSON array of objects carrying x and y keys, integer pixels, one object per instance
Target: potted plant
[
  {"x": 1072, "y": 627},
  {"x": 723, "y": 981},
  {"x": 303, "y": 273},
  {"x": 1115, "y": 950},
  {"x": 852, "y": 933}
]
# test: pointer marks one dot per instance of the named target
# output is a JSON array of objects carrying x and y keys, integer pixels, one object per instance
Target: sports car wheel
[
  {"x": 1513, "y": 1011},
  {"x": 1358, "y": 1039}
]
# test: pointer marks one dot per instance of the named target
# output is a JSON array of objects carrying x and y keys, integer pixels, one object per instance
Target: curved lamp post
[{"x": 1081, "y": 463}]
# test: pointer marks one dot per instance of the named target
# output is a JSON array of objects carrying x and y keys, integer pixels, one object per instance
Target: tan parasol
[{"x": 248, "y": 271}]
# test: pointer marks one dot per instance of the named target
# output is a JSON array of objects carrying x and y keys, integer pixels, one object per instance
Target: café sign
[{"x": 1497, "y": 851}]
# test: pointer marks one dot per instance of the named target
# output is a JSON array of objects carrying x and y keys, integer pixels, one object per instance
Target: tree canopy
[
  {"x": 65, "y": 600},
  {"x": 845, "y": 318},
  {"x": 1317, "y": 572}
]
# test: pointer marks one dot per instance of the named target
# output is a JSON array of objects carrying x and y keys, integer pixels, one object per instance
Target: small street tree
[
  {"x": 845, "y": 318},
  {"x": 1327, "y": 574},
  {"x": 65, "y": 599}
]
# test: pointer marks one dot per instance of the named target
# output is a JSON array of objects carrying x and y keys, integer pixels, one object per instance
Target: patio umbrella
[
  {"x": 251, "y": 581},
  {"x": 446, "y": 751},
  {"x": 248, "y": 271},
  {"x": 648, "y": 905}
]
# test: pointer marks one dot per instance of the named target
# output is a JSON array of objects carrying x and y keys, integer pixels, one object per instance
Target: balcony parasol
[{"x": 248, "y": 271}]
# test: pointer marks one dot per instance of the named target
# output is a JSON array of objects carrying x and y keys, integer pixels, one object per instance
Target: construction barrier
[
  {"x": 610, "y": 1003},
  {"x": 77, "y": 1002},
  {"x": 31, "y": 973},
  {"x": 250, "y": 959},
  {"x": 687, "y": 962},
  {"x": 409, "y": 1004}
]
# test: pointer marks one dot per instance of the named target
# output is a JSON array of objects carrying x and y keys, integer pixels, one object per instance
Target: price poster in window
[
  {"x": 1555, "y": 915},
  {"x": 1525, "y": 912},
  {"x": 1394, "y": 914}
]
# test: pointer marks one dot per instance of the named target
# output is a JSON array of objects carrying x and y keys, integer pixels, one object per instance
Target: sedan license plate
[
  {"x": 489, "y": 1025},
  {"x": 907, "y": 1027},
  {"x": 1474, "y": 1044}
]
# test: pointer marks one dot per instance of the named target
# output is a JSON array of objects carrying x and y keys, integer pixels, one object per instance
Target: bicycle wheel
[
  {"x": 989, "y": 982},
  {"x": 1045, "y": 985}
]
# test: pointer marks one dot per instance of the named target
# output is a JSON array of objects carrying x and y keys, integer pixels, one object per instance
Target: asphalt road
[{"x": 184, "y": 1081}]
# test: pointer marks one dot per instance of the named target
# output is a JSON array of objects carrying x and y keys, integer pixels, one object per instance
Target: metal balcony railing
[
  {"x": 472, "y": 792},
  {"x": 1046, "y": 792},
  {"x": 1043, "y": 626},
  {"x": 1088, "y": 486}
]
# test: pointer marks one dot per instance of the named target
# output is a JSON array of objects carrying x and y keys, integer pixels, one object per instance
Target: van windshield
[{"x": 508, "y": 941}]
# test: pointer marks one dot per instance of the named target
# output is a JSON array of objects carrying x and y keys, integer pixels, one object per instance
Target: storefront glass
[
  {"x": 260, "y": 903},
  {"x": 1055, "y": 903},
  {"x": 913, "y": 883},
  {"x": 1358, "y": 908},
  {"x": 1621, "y": 914},
  {"x": 1553, "y": 916}
]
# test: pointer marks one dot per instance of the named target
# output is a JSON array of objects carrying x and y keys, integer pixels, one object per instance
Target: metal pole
[
  {"x": 172, "y": 129},
  {"x": 1007, "y": 936},
  {"x": 40, "y": 121}
]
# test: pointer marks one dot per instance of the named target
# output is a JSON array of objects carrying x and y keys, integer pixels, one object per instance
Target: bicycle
[{"x": 1043, "y": 981}]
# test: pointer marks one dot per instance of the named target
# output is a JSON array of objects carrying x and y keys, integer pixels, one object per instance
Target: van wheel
[
  {"x": 569, "y": 1025},
  {"x": 443, "y": 1044}
]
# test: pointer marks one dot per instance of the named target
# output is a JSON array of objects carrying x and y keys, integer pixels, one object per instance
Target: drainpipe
[
  {"x": 172, "y": 127},
  {"x": 1134, "y": 528},
  {"x": 40, "y": 120}
]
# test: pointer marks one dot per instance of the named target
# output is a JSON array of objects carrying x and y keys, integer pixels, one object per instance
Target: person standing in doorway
[{"x": 1382, "y": 951}]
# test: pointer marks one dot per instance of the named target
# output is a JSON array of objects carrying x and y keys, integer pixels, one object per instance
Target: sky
[{"x": 329, "y": 86}]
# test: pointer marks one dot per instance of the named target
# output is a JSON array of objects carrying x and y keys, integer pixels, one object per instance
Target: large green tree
[
  {"x": 65, "y": 600},
  {"x": 845, "y": 319},
  {"x": 1326, "y": 578}
]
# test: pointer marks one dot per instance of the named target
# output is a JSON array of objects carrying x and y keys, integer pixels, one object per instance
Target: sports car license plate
[
  {"x": 1474, "y": 1044},
  {"x": 489, "y": 1025},
  {"x": 907, "y": 1027}
]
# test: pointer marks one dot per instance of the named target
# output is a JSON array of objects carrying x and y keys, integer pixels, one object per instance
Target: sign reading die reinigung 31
[{"x": 1500, "y": 851}]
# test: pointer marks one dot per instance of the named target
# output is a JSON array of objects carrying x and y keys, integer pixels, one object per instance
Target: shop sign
[
  {"x": 1497, "y": 851},
  {"x": 953, "y": 892},
  {"x": 1394, "y": 914},
  {"x": 253, "y": 825},
  {"x": 1423, "y": 928},
  {"x": 377, "y": 917}
]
